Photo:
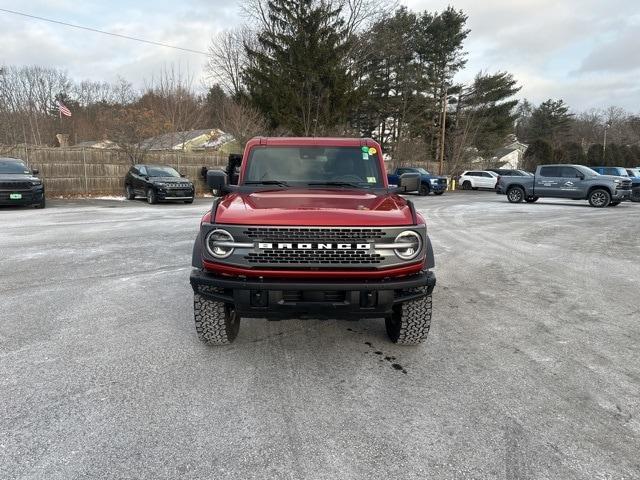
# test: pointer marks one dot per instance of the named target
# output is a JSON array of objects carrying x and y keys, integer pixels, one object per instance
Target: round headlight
[
  {"x": 413, "y": 244},
  {"x": 216, "y": 241}
]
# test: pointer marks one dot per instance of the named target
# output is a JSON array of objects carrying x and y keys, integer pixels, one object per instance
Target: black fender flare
[
  {"x": 196, "y": 256},
  {"x": 430, "y": 261}
]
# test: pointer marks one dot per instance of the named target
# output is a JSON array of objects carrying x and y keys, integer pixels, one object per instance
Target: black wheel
[
  {"x": 515, "y": 194},
  {"x": 423, "y": 190},
  {"x": 635, "y": 195},
  {"x": 466, "y": 185},
  {"x": 410, "y": 322},
  {"x": 42, "y": 204},
  {"x": 189, "y": 201},
  {"x": 599, "y": 198},
  {"x": 438, "y": 193},
  {"x": 129, "y": 194},
  {"x": 151, "y": 197},
  {"x": 614, "y": 204},
  {"x": 216, "y": 322},
  {"x": 531, "y": 199}
]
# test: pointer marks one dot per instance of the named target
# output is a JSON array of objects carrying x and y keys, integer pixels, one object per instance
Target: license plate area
[{"x": 15, "y": 196}]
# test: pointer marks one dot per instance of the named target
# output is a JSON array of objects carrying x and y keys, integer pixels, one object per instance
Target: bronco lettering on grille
[{"x": 314, "y": 246}]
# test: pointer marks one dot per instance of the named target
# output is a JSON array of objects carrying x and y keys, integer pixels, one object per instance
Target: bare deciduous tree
[
  {"x": 240, "y": 120},
  {"x": 172, "y": 97},
  {"x": 228, "y": 59}
]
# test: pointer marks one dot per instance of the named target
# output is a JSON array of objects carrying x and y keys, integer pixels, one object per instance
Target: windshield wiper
[
  {"x": 338, "y": 184},
  {"x": 268, "y": 182}
]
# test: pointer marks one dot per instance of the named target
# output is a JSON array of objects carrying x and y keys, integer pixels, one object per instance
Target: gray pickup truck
[{"x": 576, "y": 182}]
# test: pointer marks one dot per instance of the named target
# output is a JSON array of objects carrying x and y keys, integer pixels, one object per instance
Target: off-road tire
[
  {"x": 635, "y": 194},
  {"x": 129, "y": 194},
  {"x": 466, "y": 185},
  {"x": 531, "y": 199},
  {"x": 614, "y": 204},
  {"x": 216, "y": 322},
  {"x": 515, "y": 195},
  {"x": 423, "y": 191},
  {"x": 152, "y": 199},
  {"x": 42, "y": 204},
  {"x": 599, "y": 198},
  {"x": 410, "y": 322}
]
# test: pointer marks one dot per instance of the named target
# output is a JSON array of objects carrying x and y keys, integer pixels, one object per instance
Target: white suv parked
[{"x": 475, "y": 179}]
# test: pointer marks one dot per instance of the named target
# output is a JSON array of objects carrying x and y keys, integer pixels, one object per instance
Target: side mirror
[
  {"x": 35, "y": 171},
  {"x": 217, "y": 181},
  {"x": 409, "y": 182},
  {"x": 182, "y": 175}
]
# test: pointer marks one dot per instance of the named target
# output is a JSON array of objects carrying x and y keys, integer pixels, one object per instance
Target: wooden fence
[{"x": 90, "y": 171}]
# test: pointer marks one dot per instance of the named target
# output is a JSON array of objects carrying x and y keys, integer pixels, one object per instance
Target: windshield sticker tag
[
  {"x": 372, "y": 151},
  {"x": 371, "y": 179},
  {"x": 365, "y": 149},
  {"x": 365, "y": 156}
]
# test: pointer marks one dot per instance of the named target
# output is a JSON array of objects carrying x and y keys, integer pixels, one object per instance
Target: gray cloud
[
  {"x": 565, "y": 49},
  {"x": 584, "y": 51}
]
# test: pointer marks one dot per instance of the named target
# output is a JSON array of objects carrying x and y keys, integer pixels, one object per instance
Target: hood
[
  {"x": 316, "y": 207},
  {"x": 431, "y": 175},
  {"x": 611, "y": 177},
  {"x": 17, "y": 177},
  {"x": 170, "y": 179}
]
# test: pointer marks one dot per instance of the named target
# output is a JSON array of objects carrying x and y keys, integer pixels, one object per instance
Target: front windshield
[
  {"x": 634, "y": 172},
  {"x": 340, "y": 166},
  {"x": 161, "y": 172},
  {"x": 13, "y": 168},
  {"x": 422, "y": 171}
]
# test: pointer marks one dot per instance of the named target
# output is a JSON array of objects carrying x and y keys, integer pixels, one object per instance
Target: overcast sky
[{"x": 586, "y": 52}]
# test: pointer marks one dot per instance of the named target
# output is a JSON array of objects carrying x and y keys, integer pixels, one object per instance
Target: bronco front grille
[
  {"x": 303, "y": 234},
  {"x": 15, "y": 185},
  {"x": 321, "y": 257}
]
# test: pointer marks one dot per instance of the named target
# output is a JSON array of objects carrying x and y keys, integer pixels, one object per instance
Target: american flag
[{"x": 63, "y": 110}]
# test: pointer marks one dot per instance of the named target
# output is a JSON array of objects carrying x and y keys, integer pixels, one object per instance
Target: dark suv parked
[
  {"x": 19, "y": 185},
  {"x": 158, "y": 183}
]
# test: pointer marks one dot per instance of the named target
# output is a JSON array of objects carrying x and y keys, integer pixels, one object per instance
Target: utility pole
[
  {"x": 604, "y": 143},
  {"x": 443, "y": 127}
]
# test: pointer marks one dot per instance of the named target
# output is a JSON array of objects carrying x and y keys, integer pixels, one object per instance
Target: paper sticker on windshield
[
  {"x": 371, "y": 179},
  {"x": 372, "y": 151},
  {"x": 365, "y": 156}
]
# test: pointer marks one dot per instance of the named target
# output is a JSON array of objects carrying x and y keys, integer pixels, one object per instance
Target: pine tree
[
  {"x": 539, "y": 152},
  {"x": 594, "y": 155},
  {"x": 550, "y": 121},
  {"x": 298, "y": 75}
]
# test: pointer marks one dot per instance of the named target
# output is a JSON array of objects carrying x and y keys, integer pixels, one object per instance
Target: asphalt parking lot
[{"x": 531, "y": 370}]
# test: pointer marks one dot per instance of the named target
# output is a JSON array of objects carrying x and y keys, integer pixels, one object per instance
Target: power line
[{"x": 95, "y": 30}]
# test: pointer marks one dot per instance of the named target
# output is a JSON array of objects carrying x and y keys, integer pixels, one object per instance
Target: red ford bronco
[{"x": 312, "y": 230}]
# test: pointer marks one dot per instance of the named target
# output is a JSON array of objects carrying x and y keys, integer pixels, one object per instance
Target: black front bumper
[
  {"x": 277, "y": 299},
  {"x": 170, "y": 195},
  {"x": 28, "y": 197}
]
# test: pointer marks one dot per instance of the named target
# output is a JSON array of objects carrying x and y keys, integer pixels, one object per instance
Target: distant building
[
  {"x": 193, "y": 140},
  {"x": 102, "y": 144},
  {"x": 509, "y": 156}
]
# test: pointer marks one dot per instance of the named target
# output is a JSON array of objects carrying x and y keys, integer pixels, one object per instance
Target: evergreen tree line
[
  {"x": 555, "y": 135},
  {"x": 313, "y": 67}
]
